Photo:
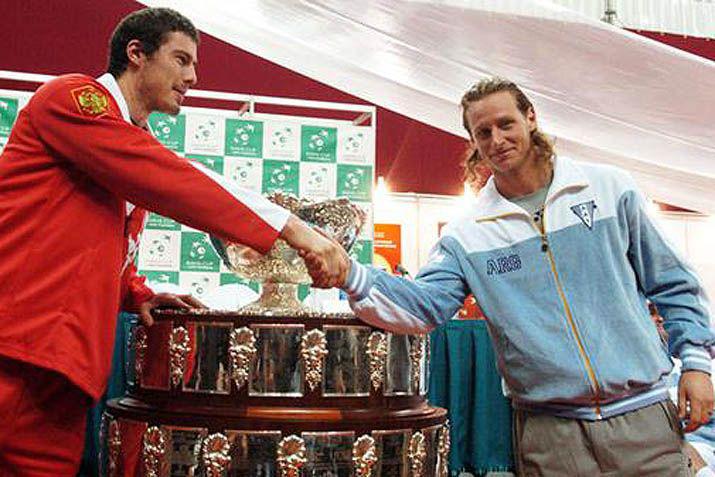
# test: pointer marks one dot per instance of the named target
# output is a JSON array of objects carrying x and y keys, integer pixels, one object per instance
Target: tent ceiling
[{"x": 607, "y": 95}]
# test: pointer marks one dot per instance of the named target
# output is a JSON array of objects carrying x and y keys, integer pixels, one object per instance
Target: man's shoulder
[
  {"x": 599, "y": 173},
  {"x": 76, "y": 91}
]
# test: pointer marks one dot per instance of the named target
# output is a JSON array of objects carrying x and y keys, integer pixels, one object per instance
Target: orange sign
[{"x": 388, "y": 246}]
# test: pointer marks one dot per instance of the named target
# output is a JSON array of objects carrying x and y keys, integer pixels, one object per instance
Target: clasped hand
[{"x": 327, "y": 262}]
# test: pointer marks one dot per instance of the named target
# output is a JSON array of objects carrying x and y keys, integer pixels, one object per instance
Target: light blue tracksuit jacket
[{"x": 566, "y": 309}]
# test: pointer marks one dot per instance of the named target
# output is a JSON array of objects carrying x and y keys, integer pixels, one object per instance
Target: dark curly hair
[
  {"x": 150, "y": 26},
  {"x": 473, "y": 169}
]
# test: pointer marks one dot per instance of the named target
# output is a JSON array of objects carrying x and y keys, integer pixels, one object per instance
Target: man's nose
[
  {"x": 497, "y": 136},
  {"x": 190, "y": 78}
]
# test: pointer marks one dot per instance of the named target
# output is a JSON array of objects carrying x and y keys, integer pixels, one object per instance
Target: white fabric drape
[{"x": 607, "y": 95}]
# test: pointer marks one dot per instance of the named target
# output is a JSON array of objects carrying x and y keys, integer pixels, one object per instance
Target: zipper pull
[{"x": 544, "y": 244}]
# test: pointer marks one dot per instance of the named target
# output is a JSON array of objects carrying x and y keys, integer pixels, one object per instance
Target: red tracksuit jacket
[{"x": 69, "y": 167}]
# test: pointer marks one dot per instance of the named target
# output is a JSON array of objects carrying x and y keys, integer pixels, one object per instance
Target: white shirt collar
[{"x": 108, "y": 81}]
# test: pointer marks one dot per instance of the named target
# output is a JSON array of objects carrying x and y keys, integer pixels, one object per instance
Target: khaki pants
[{"x": 646, "y": 442}]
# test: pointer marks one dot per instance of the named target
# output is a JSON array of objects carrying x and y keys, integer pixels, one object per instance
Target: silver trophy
[{"x": 281, "y": 270}]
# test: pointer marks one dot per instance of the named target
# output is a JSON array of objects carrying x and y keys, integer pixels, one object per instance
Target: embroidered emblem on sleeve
[
  {"x": 584, "y": 211},
  {"x": 90, "y": 100}
]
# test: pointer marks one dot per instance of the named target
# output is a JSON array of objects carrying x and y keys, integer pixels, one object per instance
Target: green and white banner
[
  {"x": 11, "y": 102},
  {"x": 317, "y": 159}
]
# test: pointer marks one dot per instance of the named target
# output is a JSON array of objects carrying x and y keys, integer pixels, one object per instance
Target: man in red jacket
[{"x": 76, "y": 175}]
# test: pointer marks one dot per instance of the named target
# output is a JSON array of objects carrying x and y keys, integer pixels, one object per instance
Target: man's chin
[{"x": 170, "y": 109}]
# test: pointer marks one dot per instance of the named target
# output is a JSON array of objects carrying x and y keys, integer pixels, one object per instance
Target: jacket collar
[
  {"x": 490, "y": 204},
  {"x": 108, "y": 81}
]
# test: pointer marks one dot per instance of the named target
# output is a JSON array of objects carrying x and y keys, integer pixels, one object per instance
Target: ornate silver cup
[{"x": 281, "y": 270}]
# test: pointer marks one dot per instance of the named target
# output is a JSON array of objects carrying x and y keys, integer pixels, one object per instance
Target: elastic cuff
[
  {"x": 695, "y": 358},
  {"x": 357, "y": 282}
]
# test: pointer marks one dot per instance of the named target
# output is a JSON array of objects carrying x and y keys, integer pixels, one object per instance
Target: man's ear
[
  {"x": 531, "y": 119},
  {"x": 135, "y": 53}
]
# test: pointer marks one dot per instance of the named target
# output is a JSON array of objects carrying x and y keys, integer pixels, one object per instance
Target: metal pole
[{"x": 609, "y": 15}]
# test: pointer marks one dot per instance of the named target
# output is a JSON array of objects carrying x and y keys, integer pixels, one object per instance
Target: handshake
[{"x": 327, "y": 261}]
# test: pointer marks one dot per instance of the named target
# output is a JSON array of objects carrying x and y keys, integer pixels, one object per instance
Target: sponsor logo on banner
[
  {"x": 355, "y": 182},
  {"x": 197, "y": 254},
  {"x": 282, "y": 141},
  {"x": 205, "y": 135},
  {"x": 159, "y": 250},
  {"x": 198, "y": 284},
  {"x": 169, "y": 130},
  {"x": 159, "y": 222},
  {"x": 215, "y": 163},
  {"x": 160, "y": 276},
  {"x": 244, "y": 171},
  {"x": 280, "y": 176},
  {"x": 317, "y": 181},
  {"x": 318, "y": 144},
  {"x": 8, "y": 115},
  {"x": 244, "y": 138},
  {"x": 355, "y": 145}
]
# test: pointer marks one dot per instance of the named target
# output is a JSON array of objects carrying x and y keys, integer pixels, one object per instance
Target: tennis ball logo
[
  {"x": 354, "y": 180},
  {"x": 198, "y": 250},
  {"x": 159, "y": 247},
  {"x": 282, "y": 137},
  {"x": 199, "y": 286},
  {"x": 164, "y": 127},
  {"x": 241, "y": 173},
  {"x": 317, "y": 178},
  {"x": 242, "y": 134},
  {"x": 318, "y": 141},
  {"x": 354, "y": 144},
  {"x": 279, "y": 176},
  {"x": 205, "y": 131}
]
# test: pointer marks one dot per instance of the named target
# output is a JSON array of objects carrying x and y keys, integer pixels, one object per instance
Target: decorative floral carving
[
  {"x": 114, "y": 447},
  {"x": 416, "y": 353},
  {"x": 216, "y": 454},
  {"x": 242, "y": 350},
  {"x": 154, "y": 451},
  {"x": 377, "y": 351},
  {"x": 140, "y": 346},
  {"x": 291, "y": 456},
  {"x": 443, "y": 446},
  {"x": 179, "y": 344},
  {"x": 417, "y": 453},
  {"x": 313, "y": 349},
  {"x": 364, "y": 456}
]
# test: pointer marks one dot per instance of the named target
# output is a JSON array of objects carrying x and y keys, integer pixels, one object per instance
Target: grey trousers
[{"x": 646, "y": 442}]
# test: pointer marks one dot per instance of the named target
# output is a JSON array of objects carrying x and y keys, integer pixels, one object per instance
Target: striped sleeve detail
[
  {"x": 358, "y": 282},
  {"x": 378, "y": 310},
  {"x": 275, "y": 216},
  {"x": 695, "y": 358}
]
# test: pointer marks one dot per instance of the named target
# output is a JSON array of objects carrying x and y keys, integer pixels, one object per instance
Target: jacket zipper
[{"x": 569, "y": 317}]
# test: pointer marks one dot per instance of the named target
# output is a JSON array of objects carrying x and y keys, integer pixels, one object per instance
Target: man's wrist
[
  {"x": 695, "y": 358},
  {"x": 291, "y": 229}
]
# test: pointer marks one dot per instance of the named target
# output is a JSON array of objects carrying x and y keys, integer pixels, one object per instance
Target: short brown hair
[
  {"x": 150, "y": 26},
  {"x": 486, "y": 87}
]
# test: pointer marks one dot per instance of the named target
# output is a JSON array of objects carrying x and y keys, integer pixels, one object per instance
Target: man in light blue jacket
[{"x": 561, "y": 257}]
